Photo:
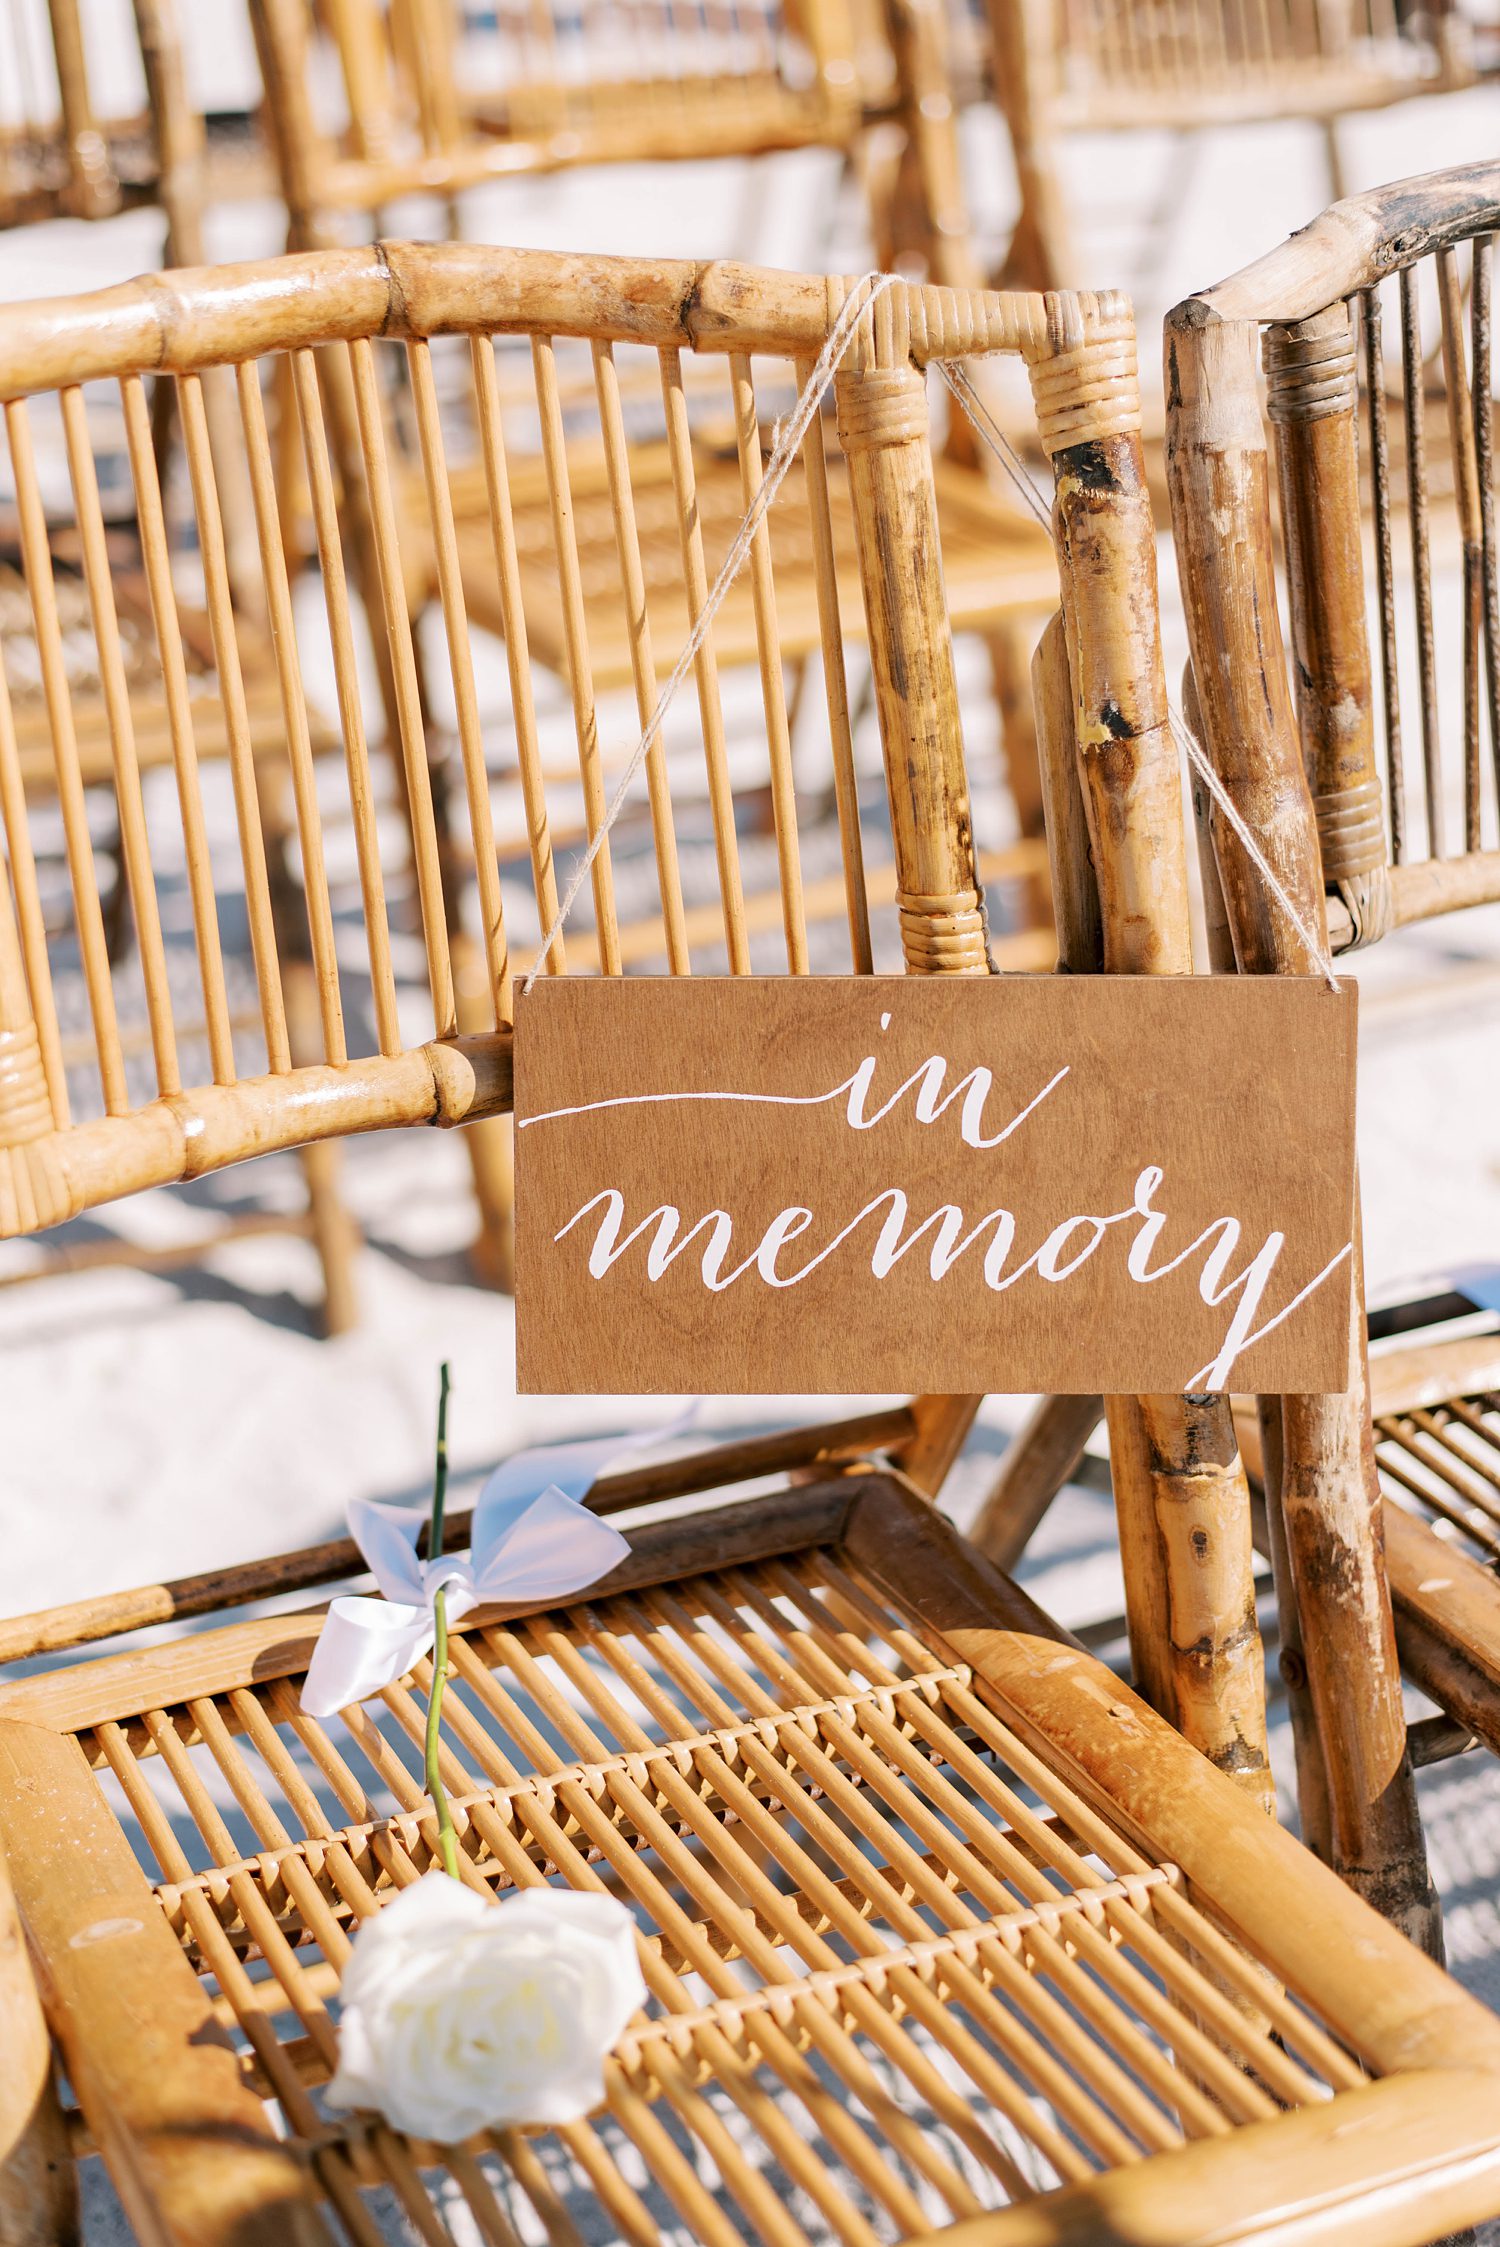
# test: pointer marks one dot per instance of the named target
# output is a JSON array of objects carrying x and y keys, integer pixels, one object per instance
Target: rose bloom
[{"x": 460, "y": 2014}]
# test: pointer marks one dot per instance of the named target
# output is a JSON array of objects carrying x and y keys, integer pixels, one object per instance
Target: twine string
[
  {"x": 788, "y": 438},
  {"x": 958, "y": 381}
]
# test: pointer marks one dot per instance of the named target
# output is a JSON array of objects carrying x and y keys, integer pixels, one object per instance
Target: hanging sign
[{"x": 808, "y": 1184}]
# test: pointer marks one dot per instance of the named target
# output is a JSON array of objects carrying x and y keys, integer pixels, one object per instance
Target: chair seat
[
  {"x": 941, "y": 1926},
  {"x": 150, "y": 720},
  {"x": 151, "y": 730},
  {"x": 995, "y": 561}
]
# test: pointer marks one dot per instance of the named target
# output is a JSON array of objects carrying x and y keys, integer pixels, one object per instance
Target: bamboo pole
[
  {"x": 1312, "y": 1776},
  {"x": 1312, "y": 398},
  {"x": 1219, "y": 481},
  {"x": 1045, "y": 1452},
  {"x": 1180, "y": 1491}
]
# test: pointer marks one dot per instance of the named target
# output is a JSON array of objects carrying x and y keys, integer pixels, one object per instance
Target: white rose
[{"x": 460, "y": 2015}]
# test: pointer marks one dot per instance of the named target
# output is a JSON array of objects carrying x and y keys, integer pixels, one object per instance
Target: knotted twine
[{"x": 788, "y": 438}]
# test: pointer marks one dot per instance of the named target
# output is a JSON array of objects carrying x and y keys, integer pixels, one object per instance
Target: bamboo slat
[{"x": 1181, "y": 1498}]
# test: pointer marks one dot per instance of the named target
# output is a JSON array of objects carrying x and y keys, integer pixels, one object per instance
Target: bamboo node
[
  {"x": 1351, "y": 830},
  {"x": 1089, "y": 388},
  {"x": 1309, "y": 377}
]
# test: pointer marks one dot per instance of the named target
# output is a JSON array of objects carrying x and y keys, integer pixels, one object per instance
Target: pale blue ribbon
[{"x": 530, "y": 1540}]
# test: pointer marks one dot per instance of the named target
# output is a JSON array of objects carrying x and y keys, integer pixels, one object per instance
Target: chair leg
[
  {"x": 1214, "y": 1655},
  {"x": 490, "y": 1145},
  {"x": 1312, "y": 1773},
  {"x": 335, "y": 1236},
  {"x": 1332, "y": 1511},
  {"x": 1010, "y": 648},
  {"x": 942, "y": 1427},
  {"x": 334, "y": 1233},
  {"x": 38, "y": 2181},
  {"x": 1036, "y": 1465},
  {"x": 492, "y": 1160}
]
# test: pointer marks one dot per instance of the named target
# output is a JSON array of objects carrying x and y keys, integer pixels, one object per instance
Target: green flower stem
[{"x": 447, "y": 1837}]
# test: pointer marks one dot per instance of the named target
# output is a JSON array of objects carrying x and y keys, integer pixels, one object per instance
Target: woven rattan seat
[{"x": 937, "y": 1919}]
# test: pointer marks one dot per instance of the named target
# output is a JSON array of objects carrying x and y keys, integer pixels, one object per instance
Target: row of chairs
[
  {"x": 367, "y": 107},
  {"x": 946, "y": 1930},
  {"x": 370, "y": 102}
]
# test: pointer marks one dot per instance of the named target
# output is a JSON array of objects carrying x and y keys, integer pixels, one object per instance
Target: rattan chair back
[
  {"x": 901, "y": 1854},
  {"x": 1398, "y": 725},
  {"x": 576, "y": 523},
  {"x": 81, "y": 1127},
  {"x": 1054, "y": 68},
  {"x": 371, "y": 102},
  {"x": 1358, "y": 839}
]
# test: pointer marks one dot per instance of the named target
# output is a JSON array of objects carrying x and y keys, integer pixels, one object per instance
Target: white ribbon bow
[{"x": 530, "y": 1540}]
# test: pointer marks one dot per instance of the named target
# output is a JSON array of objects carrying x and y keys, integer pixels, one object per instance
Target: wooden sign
[{"x": 807, "y": 1184}]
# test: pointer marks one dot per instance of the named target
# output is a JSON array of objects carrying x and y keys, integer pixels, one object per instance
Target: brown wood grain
[{"x": 1273, "y": 1152}]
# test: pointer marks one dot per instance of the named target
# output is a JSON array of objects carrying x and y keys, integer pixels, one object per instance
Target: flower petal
[{"x": 459, "y": 2013}]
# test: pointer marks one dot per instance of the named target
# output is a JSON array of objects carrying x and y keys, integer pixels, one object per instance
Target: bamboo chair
[
  {"x": 1054, "y": 68},
  {"x": 940, "y": 1917},
  {"x": 59, "y": 156},
  {"x": 74, "y": 143},
  {"x": 1337, "y": 819},
  {"x": 533, "y": 89},
  {"x": 71, "y": 665}
]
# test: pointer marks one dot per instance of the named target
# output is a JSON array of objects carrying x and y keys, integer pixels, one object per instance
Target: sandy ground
[{"x": 163, "y": 1424}]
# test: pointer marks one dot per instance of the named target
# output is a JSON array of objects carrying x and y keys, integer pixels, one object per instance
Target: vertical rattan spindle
[
  {"x": 882, "y": 422},
  {"x": 1312, "y": 396},
  {"x": 1045, "y": 1452},
  {"x": 883, "y": 429},
  {"x": 93, "y": 190}
]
